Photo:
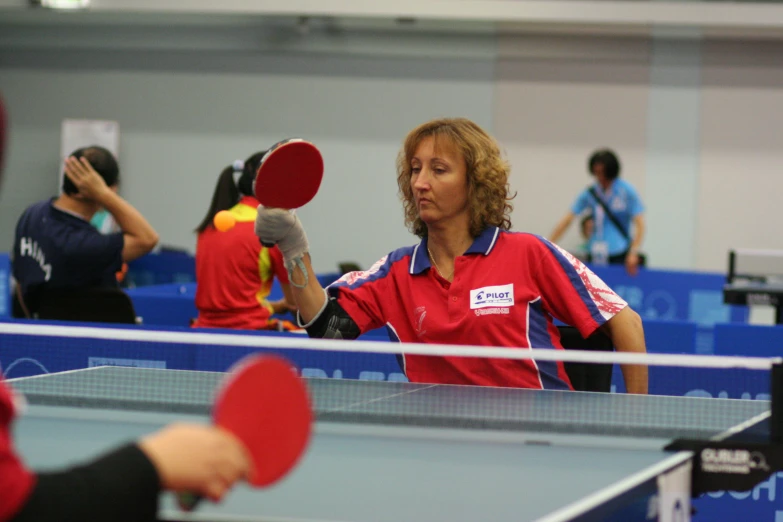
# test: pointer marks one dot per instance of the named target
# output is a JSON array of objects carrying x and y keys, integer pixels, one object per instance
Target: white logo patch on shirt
[{"x": 491, "y": 296}]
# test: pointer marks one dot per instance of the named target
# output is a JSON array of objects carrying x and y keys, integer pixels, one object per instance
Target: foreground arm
[{"x": 124, "y": 484}]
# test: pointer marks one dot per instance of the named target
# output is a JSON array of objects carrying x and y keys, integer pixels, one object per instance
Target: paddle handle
[{"x": 188, "y": 501}]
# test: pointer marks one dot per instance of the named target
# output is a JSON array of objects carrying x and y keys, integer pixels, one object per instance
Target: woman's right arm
[
  {"x": 323, "y": 317},
  {"x": 275, "y": 226},
  {"x": 308, "y": 293}
]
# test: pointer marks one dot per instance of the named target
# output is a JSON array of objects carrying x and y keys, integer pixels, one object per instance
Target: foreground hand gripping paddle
[
  {"x": 290, "y": 174},
  {"x": 266, "y": 406}
]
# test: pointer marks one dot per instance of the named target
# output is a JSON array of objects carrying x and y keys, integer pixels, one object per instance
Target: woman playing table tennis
[
  {"x": 468, "y": 281},
  {"x": 124, "y": 484},
  {"x": 234, "y": 271}
]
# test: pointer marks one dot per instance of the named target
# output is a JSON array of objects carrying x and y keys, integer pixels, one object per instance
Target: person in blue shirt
[
  {"x": 55, "y": 246},
  {"x": 617, "y": 211}
]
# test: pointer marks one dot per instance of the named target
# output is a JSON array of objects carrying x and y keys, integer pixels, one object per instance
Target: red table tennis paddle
[
  {"x": 289, "y": 175},
  {"x": 266, "y": 406}
]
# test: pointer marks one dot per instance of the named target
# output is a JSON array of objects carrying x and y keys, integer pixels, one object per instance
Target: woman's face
[{"x": 439, "y": 182}]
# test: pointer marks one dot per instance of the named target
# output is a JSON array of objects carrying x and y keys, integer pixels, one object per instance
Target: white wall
[
  {"x": 184, "y": 115},
  {"x": 696, "y": 123},
  {"x": 673, "y": 130},
  {"x": 741, "y": 188},
  {"x": 557, "y": 100}
]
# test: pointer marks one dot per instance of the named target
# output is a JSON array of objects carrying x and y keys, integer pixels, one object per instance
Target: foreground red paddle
[
  {"x": 290, "y": 174},
  {"x": 267, "y": 407}
]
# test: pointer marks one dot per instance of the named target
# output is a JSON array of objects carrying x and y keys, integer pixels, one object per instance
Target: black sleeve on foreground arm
[
  {"x": 120, "y": 486},
  {"x": 333, "y": 323}
]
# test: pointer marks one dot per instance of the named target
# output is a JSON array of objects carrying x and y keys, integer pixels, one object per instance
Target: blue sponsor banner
[
  {"x": 162, "y": 267},
  {"x": 761, "y": 504},
  {"x": 311, "y": 363},
  {"x": 702, "y": 382},
  {"x": 669, "y": 295},
  {"x": 164, "y": 310},
  {"x": 665, "y": 295},
  {"x": 25, "y": 355},
  {"x": 749, "y": 340},
  {"x": 670, "y": 336}
]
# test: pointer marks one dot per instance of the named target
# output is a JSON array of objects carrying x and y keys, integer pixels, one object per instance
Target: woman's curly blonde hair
[{"x": 487, "y": 173}]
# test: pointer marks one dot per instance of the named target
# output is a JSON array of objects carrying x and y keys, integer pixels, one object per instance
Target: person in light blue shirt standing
[{"x": 618, "y": 215}]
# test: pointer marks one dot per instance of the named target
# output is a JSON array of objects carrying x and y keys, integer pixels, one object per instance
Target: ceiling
[{"x": 683, "y": 19}]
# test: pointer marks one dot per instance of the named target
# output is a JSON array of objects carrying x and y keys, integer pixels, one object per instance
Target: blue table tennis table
[{"x": 393, "y": 451}]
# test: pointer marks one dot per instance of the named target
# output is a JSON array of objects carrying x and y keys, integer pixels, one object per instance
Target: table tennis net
[{"x": 365, "y": 382}]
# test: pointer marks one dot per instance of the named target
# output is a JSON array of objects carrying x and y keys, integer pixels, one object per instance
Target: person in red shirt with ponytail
[{"x": 234, "y": 272}]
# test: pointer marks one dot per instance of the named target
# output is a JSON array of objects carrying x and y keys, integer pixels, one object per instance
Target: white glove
[{"x": 281, "y": 227}]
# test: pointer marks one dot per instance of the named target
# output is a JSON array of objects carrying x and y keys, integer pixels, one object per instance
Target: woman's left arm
[{"x": 627, "y": 334}]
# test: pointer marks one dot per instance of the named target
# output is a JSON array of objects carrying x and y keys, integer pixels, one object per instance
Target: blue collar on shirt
[{"x": 483, "y": 244}]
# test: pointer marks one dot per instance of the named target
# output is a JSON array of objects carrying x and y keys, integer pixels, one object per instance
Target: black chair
[
  {"x": 348, "y": 266},
  {"x": 587, "y": 376},
  {"x": 99, "y": 305}
]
